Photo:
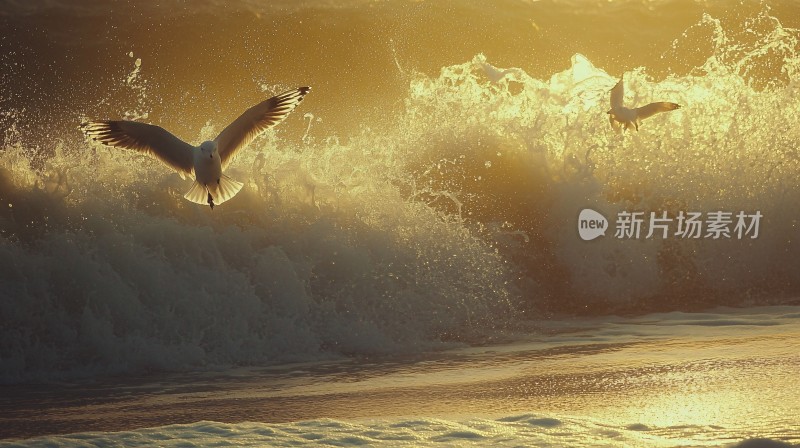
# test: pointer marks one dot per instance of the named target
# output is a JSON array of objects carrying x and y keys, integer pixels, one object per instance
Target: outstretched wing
[
  {"x": 654, "y": 108},
  {"x": 142, "y": 137},
  {"x": 617, "y": 93},
  {"x": 256, "y": 120}
]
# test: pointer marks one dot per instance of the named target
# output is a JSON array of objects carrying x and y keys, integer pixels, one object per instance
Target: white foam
[{"x": 516, "y": 430}]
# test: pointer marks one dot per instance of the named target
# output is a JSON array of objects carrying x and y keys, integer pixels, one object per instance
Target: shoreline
[{"x": 718, "y": 370}]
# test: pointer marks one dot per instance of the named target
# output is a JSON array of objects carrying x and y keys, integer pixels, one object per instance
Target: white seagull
[
  {"x": 620, "y": 115},
  {"x": 206, "y": 161}
]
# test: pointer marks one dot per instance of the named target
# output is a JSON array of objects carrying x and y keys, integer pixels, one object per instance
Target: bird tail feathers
[
  {"x": 197, "y": 194},
  {"x": 227, "y": 189}
]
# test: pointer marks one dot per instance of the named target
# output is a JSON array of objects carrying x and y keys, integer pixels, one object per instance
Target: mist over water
[{"x": 410, "y": 203}]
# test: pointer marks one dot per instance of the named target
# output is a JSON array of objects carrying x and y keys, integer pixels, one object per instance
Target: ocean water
[
  {"x": 724, "y": 377},
  {"x": 424, "y": 197}
]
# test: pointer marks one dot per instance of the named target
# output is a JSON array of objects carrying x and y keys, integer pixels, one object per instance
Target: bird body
[
  {"x": 623, "y": 117},
  {"x": 207, "y": 161},
  {"x": 210, "y": 184}
]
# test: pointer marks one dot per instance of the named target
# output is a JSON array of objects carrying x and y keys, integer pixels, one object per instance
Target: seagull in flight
[
  {"x": 207, "y": 161},
  {"x": 621, "y": 116}
]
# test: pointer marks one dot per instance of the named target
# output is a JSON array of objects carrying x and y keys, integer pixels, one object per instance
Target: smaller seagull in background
[
  {"x": 204, "y": 162},
  {"x": 622, "y": 117}
]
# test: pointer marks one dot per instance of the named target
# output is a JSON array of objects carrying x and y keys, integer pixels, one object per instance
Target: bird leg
[{"x": 210, "y": 199}]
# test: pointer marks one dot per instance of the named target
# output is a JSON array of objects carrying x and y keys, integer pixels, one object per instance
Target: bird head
[{"x": 208, "y": 148}]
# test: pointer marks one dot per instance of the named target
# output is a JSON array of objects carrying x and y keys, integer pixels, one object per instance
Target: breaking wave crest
[{"x": 449, "y": 221}]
